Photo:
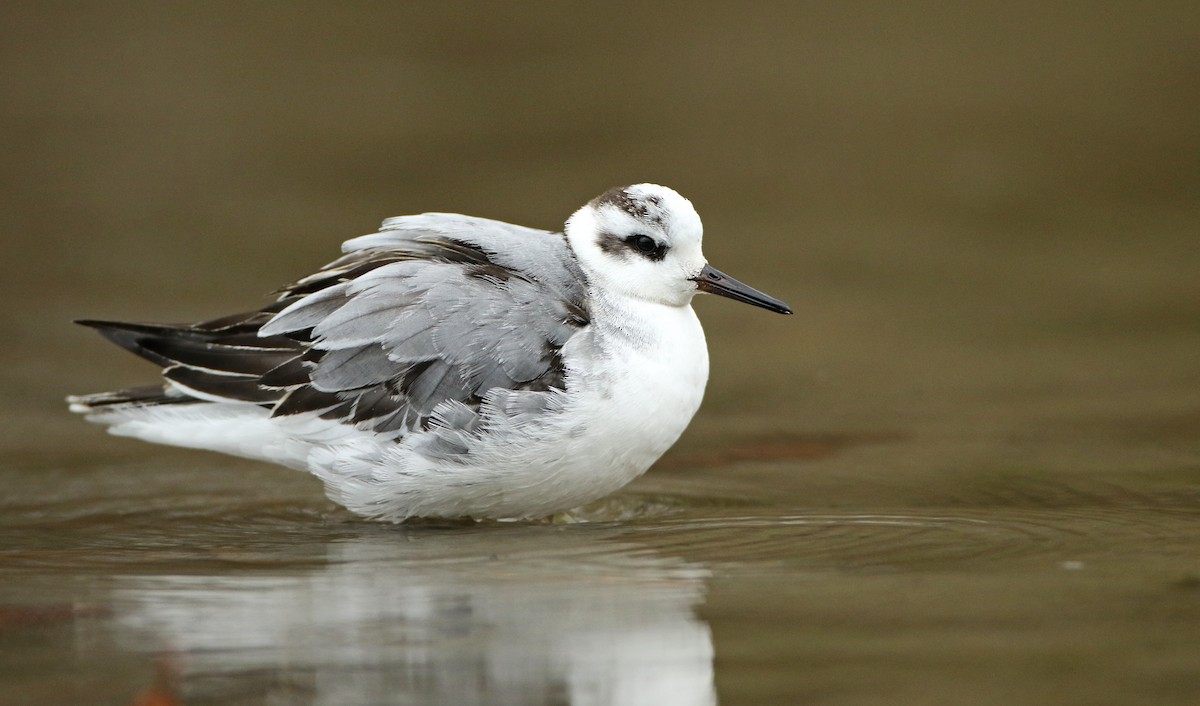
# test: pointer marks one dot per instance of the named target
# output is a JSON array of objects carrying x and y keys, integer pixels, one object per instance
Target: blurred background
[
  {"x": 984, "y": 214},
  {"x": 944, "y": 192},
  {"x": 964, "y": 203}
]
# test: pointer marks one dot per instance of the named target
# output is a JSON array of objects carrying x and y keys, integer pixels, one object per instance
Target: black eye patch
[{"x": 645, "y": 246}]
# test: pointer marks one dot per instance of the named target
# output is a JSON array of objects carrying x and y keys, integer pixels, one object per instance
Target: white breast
[{"x": 636, "y": 382}]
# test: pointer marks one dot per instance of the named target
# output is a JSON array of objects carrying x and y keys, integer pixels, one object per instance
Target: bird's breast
[{"x": 641, "y": 377}]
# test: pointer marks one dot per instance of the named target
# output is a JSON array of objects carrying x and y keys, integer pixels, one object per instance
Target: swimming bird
[{"x": 452, "y": 366}]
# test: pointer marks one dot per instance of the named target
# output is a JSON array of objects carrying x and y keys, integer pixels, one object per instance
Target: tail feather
[
  {"x": 148, "y": 395},
  {"x": 131, "y": 337},
  {"x": 219, "y": 360},
  {"x": 168, "y": 344}
]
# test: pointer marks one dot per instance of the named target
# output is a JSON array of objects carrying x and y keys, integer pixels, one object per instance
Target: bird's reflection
[{"x": 502, "y": 615}]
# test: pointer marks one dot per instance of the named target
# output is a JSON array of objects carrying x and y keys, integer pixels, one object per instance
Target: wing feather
[{"x": 415, "y": 327}]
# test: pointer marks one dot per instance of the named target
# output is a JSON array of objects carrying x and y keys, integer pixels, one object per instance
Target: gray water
[{"x": 966, "y": 472}]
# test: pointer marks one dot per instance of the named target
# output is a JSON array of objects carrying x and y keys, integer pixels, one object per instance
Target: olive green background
[{"x": 984, "y": 214}]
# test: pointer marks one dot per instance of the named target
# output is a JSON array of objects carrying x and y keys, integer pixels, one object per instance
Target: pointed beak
[{"x": 714, "y": 281}]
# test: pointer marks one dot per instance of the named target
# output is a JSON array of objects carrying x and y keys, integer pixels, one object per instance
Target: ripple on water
[
  {"x": 236, "y": 519},
  {"x": 894, "y": 541}
]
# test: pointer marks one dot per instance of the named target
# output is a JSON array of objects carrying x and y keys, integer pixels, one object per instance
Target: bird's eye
[
  {"x": 644, "y": 243},
  {"x": 645, "y": 246}
]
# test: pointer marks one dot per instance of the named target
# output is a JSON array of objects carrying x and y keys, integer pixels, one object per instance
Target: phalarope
[{"x": 453, "y": 366}]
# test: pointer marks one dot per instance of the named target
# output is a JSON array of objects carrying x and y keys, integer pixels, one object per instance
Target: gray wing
[
  {"x": 432, "y": 309},
  {"x": 538, "y": 254},
  {"x": 414, "y": 324}
]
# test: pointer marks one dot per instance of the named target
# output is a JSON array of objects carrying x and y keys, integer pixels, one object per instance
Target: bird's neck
[{"x": 642, "y": 326}]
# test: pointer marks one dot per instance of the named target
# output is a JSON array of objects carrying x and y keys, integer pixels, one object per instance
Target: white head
[{"x": 643, "y": 241}]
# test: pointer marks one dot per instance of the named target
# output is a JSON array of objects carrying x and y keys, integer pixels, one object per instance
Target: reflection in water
[{"x": 437, "y": 616}]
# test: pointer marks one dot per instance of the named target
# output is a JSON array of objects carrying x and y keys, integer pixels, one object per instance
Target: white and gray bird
[{"x": 452, "y": 366}]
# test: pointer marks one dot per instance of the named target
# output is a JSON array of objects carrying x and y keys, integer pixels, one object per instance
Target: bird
[{"x": 452, "y": 366}]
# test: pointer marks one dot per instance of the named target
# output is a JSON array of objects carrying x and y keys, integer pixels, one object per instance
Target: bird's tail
[
  {"x": 131, "y": 337},
  {"x": 118, "y": 400},
  {"x": 222, "y": 360}
]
